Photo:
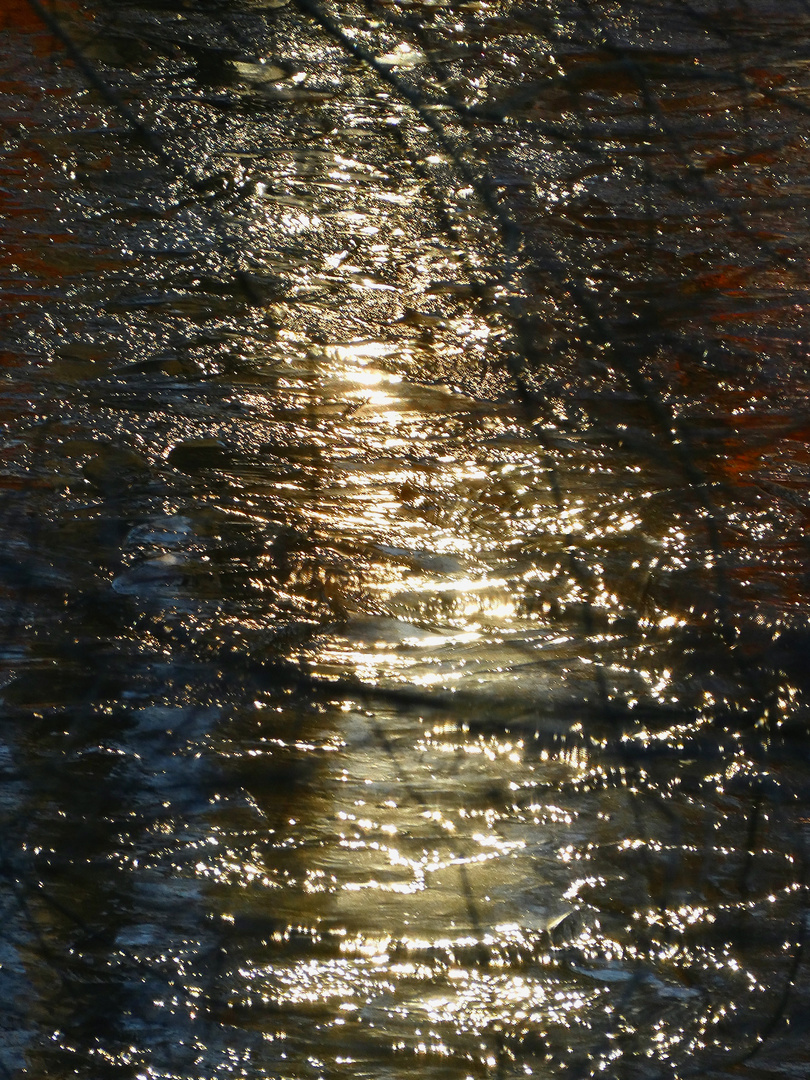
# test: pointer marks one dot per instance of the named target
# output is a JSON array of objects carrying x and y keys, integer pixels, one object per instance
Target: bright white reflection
[{"x": 402, "y": 56}]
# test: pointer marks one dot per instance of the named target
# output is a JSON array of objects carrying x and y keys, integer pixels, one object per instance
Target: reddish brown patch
[{"x": 19, "y": 15}]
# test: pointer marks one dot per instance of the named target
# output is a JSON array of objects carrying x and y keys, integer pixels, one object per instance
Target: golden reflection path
[{"x": 463, "y": 884}]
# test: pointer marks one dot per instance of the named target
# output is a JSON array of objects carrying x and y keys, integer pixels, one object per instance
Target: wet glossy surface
[{"x": 404, "y": 558}]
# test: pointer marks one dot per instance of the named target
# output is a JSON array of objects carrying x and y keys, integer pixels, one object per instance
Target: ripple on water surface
[{"x": 403, "y": 561}]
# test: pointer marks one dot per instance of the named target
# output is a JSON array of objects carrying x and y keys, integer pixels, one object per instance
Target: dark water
[{"x": 404, "y": 539}]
